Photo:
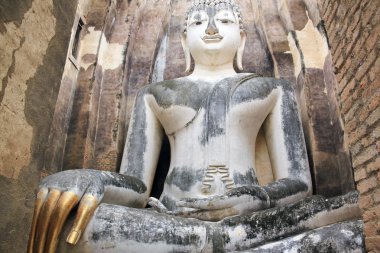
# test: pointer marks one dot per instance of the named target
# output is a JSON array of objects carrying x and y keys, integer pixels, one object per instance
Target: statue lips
[{"x": 212, "y": 38}]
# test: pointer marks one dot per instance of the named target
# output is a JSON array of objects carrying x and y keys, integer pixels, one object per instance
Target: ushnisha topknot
[{"x": 198, "y": 5}]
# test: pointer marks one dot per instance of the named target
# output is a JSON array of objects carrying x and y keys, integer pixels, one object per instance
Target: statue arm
[
  {"x": 61, "y": 192},
  {"x": 287, "y": 151},
  {"x": 143, "y": 144}
]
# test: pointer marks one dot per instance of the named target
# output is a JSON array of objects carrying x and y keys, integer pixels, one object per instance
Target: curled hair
[{"x": 199, "y": 5}]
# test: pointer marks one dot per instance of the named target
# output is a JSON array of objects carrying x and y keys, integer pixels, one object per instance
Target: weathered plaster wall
[
  {"x": 59, "y": 117},
  {"x": 354, "y": 32},
  {"x": 34, "y": 37}
]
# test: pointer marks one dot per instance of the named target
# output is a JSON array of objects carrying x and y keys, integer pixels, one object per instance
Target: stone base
[{"x": 340, "y": 237}]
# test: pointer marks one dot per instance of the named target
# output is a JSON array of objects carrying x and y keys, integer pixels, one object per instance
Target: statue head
[{"x": 213, "y": 33}]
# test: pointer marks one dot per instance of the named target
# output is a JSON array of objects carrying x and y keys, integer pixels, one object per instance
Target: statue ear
[
  {"x": 239, "y": 53},
  {"x": 186, "y": 51}
]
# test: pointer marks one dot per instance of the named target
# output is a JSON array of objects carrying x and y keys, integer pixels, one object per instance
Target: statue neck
[{"x": 212, "y": 73}]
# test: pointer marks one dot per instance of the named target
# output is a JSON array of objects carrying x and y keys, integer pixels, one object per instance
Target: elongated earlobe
[
  {"x": 240, "y": 51},
  {"x": 187, "y": 52}
]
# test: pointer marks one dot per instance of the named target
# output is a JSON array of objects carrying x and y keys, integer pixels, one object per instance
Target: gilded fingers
[
  {"x": 51, "y": 211},
  {"x": 86, "y": 208},
  {"x": 58, "y": 195},
  {"x": 40, "y": 199},
  {"x": 43, "y": 220},
  {"x": 65, "y": 204}
]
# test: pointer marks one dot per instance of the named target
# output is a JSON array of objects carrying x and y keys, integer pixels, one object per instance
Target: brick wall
[{"x": 354, "y": 32}]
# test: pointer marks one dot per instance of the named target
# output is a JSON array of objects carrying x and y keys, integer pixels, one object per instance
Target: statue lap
[{"x": 116, "y": 228}]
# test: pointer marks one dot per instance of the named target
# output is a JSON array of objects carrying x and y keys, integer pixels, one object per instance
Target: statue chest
[
  {"x": 212, "y": 138},
  {"x": 211, "y": 111}
]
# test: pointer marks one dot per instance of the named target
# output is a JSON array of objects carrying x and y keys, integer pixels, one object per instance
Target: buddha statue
[{"x": 212, "y": 199}]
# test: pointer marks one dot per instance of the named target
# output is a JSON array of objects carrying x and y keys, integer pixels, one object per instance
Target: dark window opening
[{"x": 75, "y": 47}]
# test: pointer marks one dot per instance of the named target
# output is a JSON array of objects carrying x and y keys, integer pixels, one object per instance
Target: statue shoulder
[
  {"x": 163, "y": 87},
  {"x": 254, "y": 87},
  {"x": 179, "y": 91},
  {"x": 267, "y": 84}
]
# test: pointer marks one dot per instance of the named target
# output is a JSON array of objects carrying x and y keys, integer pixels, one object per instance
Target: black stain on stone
[
  {"x": 145, "y": 226},
  {"x": 181, "y": 91},
  {"x": 184, "y": 178},
  {"x": 350, "y": 198},
  {"x": 293, "y": 132},
  {"x": 216, "y": 110},
  {"x": 249, "y": 178},
  {"x": 284, "y": 188},
  {"x": 219, "y": 240},
  {"x": 253, "y": 89},
  {"x": 322, "y": 29},
  {"x": 296, "y": 41},
  {"x": 11, "y": 70},
  {"x": 137, "y": 143},
  {"x": 329, "y": 239},
  {"x": 275, "y": 223}
]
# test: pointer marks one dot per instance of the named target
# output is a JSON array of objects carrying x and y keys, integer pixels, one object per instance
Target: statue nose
[{"x": 211, "y": 28}]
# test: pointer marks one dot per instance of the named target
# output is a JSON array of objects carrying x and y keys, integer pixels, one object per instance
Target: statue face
[{"x": 213, "y": 37}]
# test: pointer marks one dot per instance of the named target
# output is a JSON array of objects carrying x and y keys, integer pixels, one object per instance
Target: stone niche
[
  {"x": 117, "y": 47},
  {"x": 125, "y": 45}
]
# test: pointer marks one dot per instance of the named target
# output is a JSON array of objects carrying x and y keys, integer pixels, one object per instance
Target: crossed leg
[{"x": 115, "y": 229}]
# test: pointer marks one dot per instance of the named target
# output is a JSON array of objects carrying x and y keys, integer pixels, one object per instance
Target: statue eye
[
  {"x": 198, "y": 23},
  {"x": 225, "y": 21}
]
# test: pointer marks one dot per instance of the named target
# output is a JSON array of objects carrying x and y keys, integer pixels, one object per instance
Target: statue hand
[
  {"x": 59, "y": 193},
  {"x": 157, "y": 205},
  {"x": 240, "y": 200}
]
